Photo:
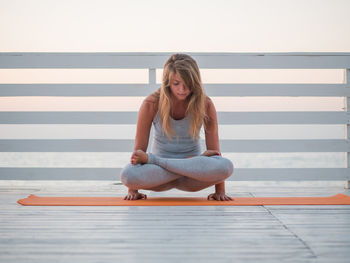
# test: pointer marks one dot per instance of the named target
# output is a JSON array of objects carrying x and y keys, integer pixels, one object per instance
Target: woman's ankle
[{"x": 150, "y": 158}]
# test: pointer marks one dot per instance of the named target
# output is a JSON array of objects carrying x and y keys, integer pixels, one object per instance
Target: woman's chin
[{"x": 181, "y": 97}]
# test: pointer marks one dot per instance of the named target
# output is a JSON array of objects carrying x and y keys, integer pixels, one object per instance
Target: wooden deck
[{"x": 172, "y": 234}]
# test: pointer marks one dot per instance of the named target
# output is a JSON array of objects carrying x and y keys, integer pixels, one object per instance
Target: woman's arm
[
  {"x": 212, "y": 137},
  {"x": 211, "y": 128},
  {"x": 145, "y": 117}
]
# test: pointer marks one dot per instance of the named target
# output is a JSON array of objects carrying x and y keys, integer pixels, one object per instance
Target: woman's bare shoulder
[
  {"x": 150, "y": 104},
  {"x": 151, "y": 98},
  {"x": 208, "y": 102}
]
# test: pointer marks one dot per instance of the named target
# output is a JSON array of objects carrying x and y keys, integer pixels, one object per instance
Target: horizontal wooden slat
[
  {"x": 128, "y": 131},
  {"x": 273, "y": 89},
  {"x": 157, "y": 60},
  {"x": 309, "y": 117},
  {"x": 83, "y": 90},
  {"x": 329, "y": 90},
  {"x": 239, "y": 174},
  {"x": 97, "y": 145},
  {"x": 68, "y": 117}
]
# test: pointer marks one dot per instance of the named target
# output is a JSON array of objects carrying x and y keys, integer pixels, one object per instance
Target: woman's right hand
[
  {"x": 134, "y": 195},
  {"x": 211, "y": 153}
]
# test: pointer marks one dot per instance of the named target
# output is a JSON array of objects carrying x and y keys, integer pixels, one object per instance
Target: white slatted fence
[{"x": 153, "y": 61}]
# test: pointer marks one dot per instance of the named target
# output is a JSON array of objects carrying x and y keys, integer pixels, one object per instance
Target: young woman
[{"x": 177, "y": 110}]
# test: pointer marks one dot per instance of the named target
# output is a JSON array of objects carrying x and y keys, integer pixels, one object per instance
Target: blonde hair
[{"x": 187, "y": 68}]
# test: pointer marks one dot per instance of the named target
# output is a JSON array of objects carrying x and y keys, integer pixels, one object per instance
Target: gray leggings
[{"x": 191, "y": 174}]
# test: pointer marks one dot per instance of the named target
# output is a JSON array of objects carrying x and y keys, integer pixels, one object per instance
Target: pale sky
[{"x": 182, "y": 25}]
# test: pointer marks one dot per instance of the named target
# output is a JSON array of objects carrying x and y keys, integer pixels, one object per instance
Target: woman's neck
[
  {"x": 179, "y": 103},
  {"x": 178, "y": 109}
]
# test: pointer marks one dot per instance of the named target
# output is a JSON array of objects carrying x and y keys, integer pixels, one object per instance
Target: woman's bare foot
[
  {"x": 134, "y": 195},
  {"x": 211, "y": 153},
  {"x": 139, "y": 156}
]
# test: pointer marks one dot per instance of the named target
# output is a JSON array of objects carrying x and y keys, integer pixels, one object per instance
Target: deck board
[{"x": 171, "y": 234}]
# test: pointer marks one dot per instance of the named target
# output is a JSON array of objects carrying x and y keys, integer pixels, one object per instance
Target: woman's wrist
[{"x": 220, "y": 188}]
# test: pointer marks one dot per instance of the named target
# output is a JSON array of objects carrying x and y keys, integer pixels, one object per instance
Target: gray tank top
[{"x": 180, "y": 146}]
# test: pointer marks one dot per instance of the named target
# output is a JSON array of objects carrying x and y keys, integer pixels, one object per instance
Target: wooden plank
[
  {"x": 321, "y": 117},
  {"x": 239, "y": 174},
  {"x": 128, "y": 131},
  {"x": 157, "y": 59},
  {"x": 273, "y": 89},
  {"x": 156, "y": 234},
  {"x": 347, "y": 126},
  {"x": 130, "y": 117},
  {"x": 242, "y": 89},
  {"x": 120, "y": 145},
  {"x": 81, "y": 90}
]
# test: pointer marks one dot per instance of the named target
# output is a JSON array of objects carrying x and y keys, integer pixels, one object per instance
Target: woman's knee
[
  {"x": 226, "y": 167},
  {"x": 128, "y": 175}
]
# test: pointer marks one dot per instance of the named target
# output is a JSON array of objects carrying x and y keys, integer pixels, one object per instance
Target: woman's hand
[
  {"x": 219, "y": 197},
  {"x": 209, "y": 153}
]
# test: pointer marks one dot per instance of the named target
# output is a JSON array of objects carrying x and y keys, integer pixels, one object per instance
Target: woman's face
[{"x": 178, "y": 88}]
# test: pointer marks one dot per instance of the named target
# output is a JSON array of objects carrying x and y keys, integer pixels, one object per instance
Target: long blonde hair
[{"x": 186, "y": 67}]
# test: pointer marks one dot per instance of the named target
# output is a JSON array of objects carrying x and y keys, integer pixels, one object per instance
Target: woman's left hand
[{"x": 219, "y": 197}]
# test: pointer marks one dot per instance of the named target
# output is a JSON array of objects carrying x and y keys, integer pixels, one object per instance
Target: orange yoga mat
[{"x": 338, "y": 199}]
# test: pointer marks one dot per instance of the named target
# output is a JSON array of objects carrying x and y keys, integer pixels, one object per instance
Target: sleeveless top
[{"x": 180, "y": 146}]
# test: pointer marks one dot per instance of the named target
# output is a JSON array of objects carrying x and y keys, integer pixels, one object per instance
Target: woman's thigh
[
  {"x": 147, "y": 176},
  {"x": 201, "y": 168},
  {"x": 157, "y": 178}
]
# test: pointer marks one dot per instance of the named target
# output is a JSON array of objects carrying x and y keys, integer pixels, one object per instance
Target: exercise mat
[{"x": 338, "y": 199}]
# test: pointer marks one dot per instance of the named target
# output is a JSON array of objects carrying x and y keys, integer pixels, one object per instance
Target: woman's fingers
[
  {"x": 135, "y": 196},
  {"x": 219, "y": 197},
  {"x": 133, "y": 158},
  {"x": 211, "y": 196},
  {"x": 227, "y": 198}
]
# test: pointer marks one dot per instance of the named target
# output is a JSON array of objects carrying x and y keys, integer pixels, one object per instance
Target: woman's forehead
[{"x": 176, "y": 77}]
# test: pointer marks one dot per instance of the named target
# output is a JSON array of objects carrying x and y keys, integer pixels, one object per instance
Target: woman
[{"x": 177, "y": 110}]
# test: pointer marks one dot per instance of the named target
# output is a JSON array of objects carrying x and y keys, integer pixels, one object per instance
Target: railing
[{"x": 152, "y": 61}]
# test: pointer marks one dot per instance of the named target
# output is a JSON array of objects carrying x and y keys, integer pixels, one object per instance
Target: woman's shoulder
[
  {"x": 208, "y": 102},
  {"x": 152, "y": 101},
  {"x": 152, "y": 98}
]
